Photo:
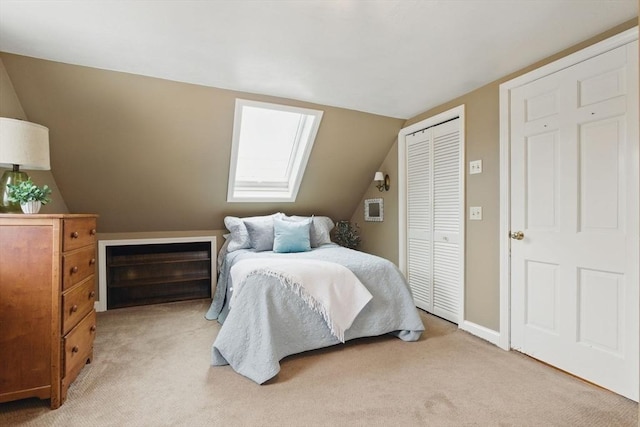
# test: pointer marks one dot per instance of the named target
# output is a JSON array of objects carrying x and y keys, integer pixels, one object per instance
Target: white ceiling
[{"x": 394, "y": 58}]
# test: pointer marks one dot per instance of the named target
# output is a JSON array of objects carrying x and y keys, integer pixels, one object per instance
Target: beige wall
[
  {"x": 482, "y": 305},
  {"x": 381, "y": 238},
  {"x": 9, "y": 104},
  {"x": 11, "y": 107},
  {"x": 148, "y": 154}
]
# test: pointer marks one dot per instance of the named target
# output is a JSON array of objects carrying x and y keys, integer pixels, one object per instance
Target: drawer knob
[
  {"x": 93, "y": 232},
  {"x": 74, "y": 235},
  {"x": 92, "y": 261},
  {"x": 92, "y": 294},
  {"x": 74, "y": 308},
  {"x": 74, "y": 269},
  {"x": 93, "y": 328},
  {"x": 75, "y": 349}
]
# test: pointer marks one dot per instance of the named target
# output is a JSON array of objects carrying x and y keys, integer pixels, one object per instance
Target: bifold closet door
[
  {"x": 433, "y": 218},
  {"x": 419, "y": 218}
]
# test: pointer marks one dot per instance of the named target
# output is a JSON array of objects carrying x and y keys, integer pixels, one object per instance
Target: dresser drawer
[
  {"x": 77, "y": 302},
  {"x": 77, "y": 266},
  {"x": 78, "y": 344},
  {"x": 78, "y": 232}
]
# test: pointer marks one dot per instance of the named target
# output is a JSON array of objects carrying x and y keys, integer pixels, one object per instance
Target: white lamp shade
[
  {"x": 25, "y": 144},
  {"x": 379, "y": 176}
]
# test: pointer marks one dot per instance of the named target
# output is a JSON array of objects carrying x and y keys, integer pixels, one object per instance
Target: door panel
[
  {"x": 601, "y": 310},
  {"x": 419, "y": 272},
  {"x": 446, "y": 220},
  {"x": 419, "y": 218},
  {"x": 601, "y": 173},
  {"x": 541, "y": 287},
  {"x": 541, "y": 181}
]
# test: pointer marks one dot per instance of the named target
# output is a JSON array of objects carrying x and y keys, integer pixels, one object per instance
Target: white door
[
  {"x": 434, "y": 206},
  {"x": 574, "y": 197}
]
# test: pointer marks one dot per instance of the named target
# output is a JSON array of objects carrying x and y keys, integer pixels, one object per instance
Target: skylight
[{"x": 271, "y": 146}]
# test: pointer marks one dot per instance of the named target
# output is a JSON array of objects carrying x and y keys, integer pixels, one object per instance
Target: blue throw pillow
[
  {"x": 320, "y": 231},
  {"x": 291, "y": 236}
]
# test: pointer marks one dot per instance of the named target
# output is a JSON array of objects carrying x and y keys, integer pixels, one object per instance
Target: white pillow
[{"x": 239, "y": 238}]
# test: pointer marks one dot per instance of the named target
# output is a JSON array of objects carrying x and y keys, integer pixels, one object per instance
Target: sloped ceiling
[
  {"x": 396, "y": 58},
  {"x": 148, "y": 154}
]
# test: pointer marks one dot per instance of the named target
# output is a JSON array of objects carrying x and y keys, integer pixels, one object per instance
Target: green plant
[
  {"x": 27, "y": 191},
  {"x": 347, "y": 235}
]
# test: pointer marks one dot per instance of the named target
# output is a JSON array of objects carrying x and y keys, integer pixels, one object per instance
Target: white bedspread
[{"x": 327, "y": 287}]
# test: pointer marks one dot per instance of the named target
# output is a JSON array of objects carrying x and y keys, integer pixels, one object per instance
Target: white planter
[{"x": 31, "y": 207}]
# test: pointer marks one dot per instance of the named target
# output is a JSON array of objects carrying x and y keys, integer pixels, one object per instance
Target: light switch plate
[
  {"x": 475, "y": 213},
  {"x": 475, "y": 166}
]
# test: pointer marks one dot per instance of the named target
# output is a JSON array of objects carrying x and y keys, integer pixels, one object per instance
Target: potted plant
[
  {"x": 347, "y": 235},
  {"x": 30, "y": 196}
]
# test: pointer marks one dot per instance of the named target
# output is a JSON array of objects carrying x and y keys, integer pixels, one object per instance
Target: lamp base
[{"x": 13, "y": 178}]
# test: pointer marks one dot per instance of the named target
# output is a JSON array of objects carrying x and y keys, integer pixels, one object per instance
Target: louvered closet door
[
  {"x": 419, "y": 228},
  {"x": 433, "y": 218},
  {"x": 446, "y": 220}
]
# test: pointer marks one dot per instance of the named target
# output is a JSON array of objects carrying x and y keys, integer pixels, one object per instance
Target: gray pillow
[
  {"x": 260, "y": 230},
  {"x": 321, "y": 227}
]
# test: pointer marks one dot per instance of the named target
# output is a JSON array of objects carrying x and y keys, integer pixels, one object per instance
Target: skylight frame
[{"x": 273, "y": 191}]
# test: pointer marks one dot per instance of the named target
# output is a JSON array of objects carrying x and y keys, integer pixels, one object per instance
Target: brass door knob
[{"x": 517, "y": 235}]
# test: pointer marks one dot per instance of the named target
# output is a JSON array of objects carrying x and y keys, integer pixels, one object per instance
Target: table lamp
[{"x": 22, "y": 144}]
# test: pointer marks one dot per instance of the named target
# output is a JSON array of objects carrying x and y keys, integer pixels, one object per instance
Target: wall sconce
[{"x": 382, "y": 180}]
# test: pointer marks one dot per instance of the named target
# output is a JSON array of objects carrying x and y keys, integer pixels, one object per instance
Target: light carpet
[{"x": 151, "y": 368}]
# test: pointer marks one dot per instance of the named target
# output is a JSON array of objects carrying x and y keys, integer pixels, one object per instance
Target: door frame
[
  {"x": 456, "y": 112},
  {"x": 504, "y": 340}
]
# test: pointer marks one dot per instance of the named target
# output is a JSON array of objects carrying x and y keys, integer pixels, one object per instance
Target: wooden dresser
[{"x": 47, "y": 294}]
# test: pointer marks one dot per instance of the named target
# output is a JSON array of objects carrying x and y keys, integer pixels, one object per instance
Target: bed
[{"x": 264, "y": 318}]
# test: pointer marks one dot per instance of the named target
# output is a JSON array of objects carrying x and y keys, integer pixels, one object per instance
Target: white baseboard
[{"x": 481, "y": 332}]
